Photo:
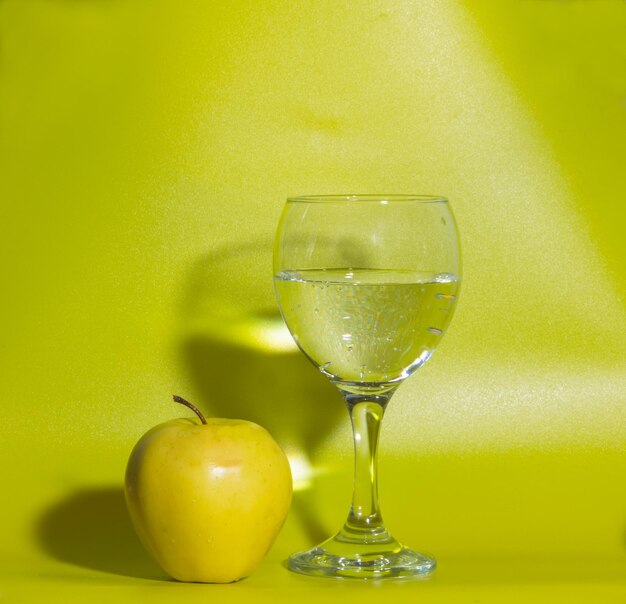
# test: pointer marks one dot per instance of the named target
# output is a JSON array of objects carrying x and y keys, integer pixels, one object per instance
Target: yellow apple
[{"x": 207, "y": 498}]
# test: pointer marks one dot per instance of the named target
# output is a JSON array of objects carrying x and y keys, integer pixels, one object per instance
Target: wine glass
[{"x": 367, "y": 285}]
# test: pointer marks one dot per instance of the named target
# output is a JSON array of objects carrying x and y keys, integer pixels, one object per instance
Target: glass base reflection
[{"x": 341, "y": 559}]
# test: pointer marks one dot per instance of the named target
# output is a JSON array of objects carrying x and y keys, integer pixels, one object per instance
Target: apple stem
[{"x": 182, "y": 401}]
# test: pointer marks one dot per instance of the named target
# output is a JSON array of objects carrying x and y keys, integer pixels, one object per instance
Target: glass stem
[{"x": 365, "y": 522}]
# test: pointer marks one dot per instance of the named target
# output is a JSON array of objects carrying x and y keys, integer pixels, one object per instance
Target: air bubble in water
[{"x": 444, "y": 278}]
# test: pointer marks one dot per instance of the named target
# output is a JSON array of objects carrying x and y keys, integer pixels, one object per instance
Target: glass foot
[{"x": 339, "y": 559}]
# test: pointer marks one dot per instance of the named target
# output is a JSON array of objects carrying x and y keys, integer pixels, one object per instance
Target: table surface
[{"x": 80, "y": 546}]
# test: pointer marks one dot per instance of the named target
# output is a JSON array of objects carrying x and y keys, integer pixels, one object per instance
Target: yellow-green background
[{"x": 146, "y": 150}]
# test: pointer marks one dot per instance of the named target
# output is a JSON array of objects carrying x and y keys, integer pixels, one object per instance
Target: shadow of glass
[
  {"x": 244, "y": 363},
  {"x": 91, "y": 528},
  {"x": 282, "y": 392},
  {"x": 241, "y": 356}
]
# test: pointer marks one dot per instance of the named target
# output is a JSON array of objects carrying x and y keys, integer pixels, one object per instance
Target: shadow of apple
[{"x": 91, "y": 528}]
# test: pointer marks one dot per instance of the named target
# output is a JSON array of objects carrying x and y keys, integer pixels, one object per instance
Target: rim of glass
[{"x": 367, "y": 198}]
